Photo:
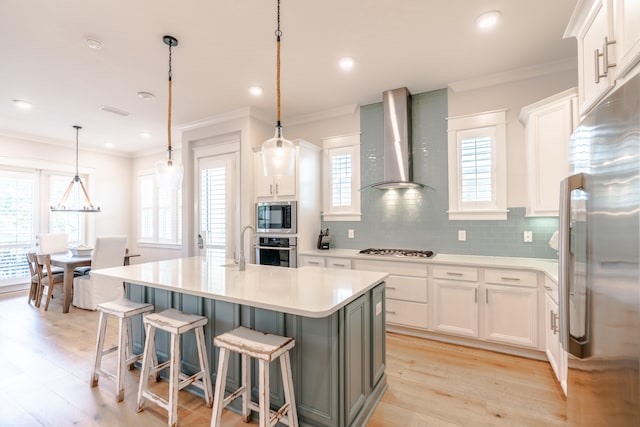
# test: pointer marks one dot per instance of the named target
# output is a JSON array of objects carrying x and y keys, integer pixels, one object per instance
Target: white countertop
[
  {"x": 546, "y": 266},
  {"x": 305, "y": 291}
]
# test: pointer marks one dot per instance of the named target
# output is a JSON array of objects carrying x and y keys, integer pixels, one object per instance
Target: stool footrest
[
  {"x": 274, "y": 416},
  {"x": 158, "y": 400},
  {"x": 195, "y": 379},
  {"x": 110, "y": 350},
  {"x": 133, "y": 359},
  {"x": 107, "y": 374},
  {"x": 155, "y": 369},
  {"x": 233, "y": 396}
]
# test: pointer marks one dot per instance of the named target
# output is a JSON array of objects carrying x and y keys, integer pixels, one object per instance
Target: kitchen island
[{"x": 337, "y": 318}]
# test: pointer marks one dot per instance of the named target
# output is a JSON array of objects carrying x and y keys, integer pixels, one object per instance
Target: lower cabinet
[
  {"x": 455, "y": 307},
  {"x": 406, "y": 291},
  {"x": 319, "y": 261},
  {"x": 553, "y": 347},
  {"x": 510, "y": 315}
]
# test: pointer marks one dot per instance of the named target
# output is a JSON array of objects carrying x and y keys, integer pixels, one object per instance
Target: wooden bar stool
[
  {"x": 266, "y": 348},
  {"x": 124, "y": 310},
  {"x": 175, "y": 323}
]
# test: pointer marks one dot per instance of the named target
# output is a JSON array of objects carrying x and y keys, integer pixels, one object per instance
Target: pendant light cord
[
  {"x": 278, "y": 35},
  {"x": 169, "y": 110},
  {"x": 77, "y": 131}
]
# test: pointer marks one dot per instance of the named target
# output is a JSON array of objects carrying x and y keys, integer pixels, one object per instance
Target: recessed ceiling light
[
  {"x": 255, "y": 90},
  {"x": 94, "y": 43},
  {"x": 23, "y": 104},
  {"x": 108, "y": 145},
  {"x": 113, "y": 110},
  {"x": 145, "y": 134},
  {"x": 488, "y": 20},
  {"x": 347, "y": 63},
  {"x": 147, "y": 96}
]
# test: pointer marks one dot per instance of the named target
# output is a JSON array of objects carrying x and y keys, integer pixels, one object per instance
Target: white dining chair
[{"x": 89, "y": 291}]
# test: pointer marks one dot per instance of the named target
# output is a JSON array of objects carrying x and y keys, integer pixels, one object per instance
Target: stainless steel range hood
[{"x": 398, "y": 167}]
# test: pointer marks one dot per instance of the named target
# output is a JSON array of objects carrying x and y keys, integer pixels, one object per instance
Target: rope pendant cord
[
  {"x": 169, "y": 108},
  {"x": 278, "y": 35}
]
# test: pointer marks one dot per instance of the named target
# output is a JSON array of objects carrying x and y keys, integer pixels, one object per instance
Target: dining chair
[
  {"x": 33, "y": 274},
  {"x": 47, "y": 278},
  {"x": 53, "y": 243},
  {"x": 89, "y": 291}
]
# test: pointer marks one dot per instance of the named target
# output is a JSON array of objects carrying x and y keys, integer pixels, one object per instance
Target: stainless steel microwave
[{"x": 276, "y": 217}]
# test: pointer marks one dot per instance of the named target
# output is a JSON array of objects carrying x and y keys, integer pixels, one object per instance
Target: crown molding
[
  {"x": 344, "y": 110},
  {"x": 517, "y": 74}
]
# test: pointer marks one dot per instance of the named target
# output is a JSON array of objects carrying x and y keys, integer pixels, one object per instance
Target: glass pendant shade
[
  {"x": 278, "y": 155},
  {"x": 169, "y": 174},
  {"x": 75, "y": 198}
]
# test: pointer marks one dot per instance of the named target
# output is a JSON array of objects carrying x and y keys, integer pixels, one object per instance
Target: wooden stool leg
[
  {"x": 149, "y": 351},
  {"x": 97, "y": 357},
  {"x": 246, "y": 383},
  {"x": 174, "y": 381},
  {"x": 221, "y": 381},
  {"x": 122, "y": 355},
  {"x": 204, "y": 366},
  {"x": 287, "y": 385},
  {"x": 129, "y": 347},
  {"x": 263, "y": 391}
]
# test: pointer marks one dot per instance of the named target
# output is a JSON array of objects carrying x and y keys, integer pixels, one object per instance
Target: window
[
  {"x": 341, "y": 178},
  {"x": 160, "y": 212},
  {"x": 17, "y": 224},
  {"x": 71, "y": 223},
  {"x": 477, "y": 166}
]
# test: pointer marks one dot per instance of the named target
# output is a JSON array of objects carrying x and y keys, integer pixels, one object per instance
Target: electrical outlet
[
  {"x": 528, "y": 236},
  {"x": 462, "y": 235},
  {"x": 350, "y": 233}
]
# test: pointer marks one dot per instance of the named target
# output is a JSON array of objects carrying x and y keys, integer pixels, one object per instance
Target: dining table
[{"x": 69, "y": 262}]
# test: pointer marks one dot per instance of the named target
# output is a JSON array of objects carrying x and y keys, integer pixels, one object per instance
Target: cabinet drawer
[
  {"x": 313, "y": 261},
  {"x": 551, "y": 288},
  {"x": 339, "y": 263},
  {"x": 406, "y": 313},
  {"x": 400, "y": 268},
  {"x": 511, "y": 277},
  {"x": 407, "y": 288},
  {"x": 467, "y": 274}
]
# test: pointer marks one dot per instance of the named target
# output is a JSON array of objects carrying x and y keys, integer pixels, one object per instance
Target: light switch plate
[
  {"x": 462, "y": 235},
  {"x": 528, "y": 236},
  {"x": 350, "y": 233}
]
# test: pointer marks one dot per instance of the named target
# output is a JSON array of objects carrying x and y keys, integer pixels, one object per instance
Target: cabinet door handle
[
  {"x": 391, "y": 287},
  {"x": 390, "y": 312},
  {"x": 605, "y": 60},
  {"x": 271, "y": 189},
  {"x": 551, "y": 320},
  {"x": 451, "y": 273},
  {"x": 276, "y": 188},
  {"x": 313, "y": 262},
  {"x": 548, "y": 288},
  {"x": 486, "y": 296},
  {"x": 335, "y": 264},
  {"x": 511, "y": 278},
  {"x": 476, "y": 295},
  {"x": 556, "y": 326}
]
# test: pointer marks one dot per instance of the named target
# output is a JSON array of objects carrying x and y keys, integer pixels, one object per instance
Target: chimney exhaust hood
[{"x": 398, "y": 155}]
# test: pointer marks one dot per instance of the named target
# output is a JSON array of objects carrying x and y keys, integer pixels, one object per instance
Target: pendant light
[
  {"x": 168, "y": 173},
  {"x": 64, "y": 205},
  {"x": 278, "y": 153}
]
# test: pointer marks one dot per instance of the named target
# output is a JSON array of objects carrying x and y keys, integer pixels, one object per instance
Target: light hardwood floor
[{"x": 45, "y": 361}]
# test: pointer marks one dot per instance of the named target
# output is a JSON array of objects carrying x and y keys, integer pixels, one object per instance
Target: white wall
[
  {"x": 110, "y": 185},
  {"x": 346, "y": 121},
  {"x": 514, "y": 96}
]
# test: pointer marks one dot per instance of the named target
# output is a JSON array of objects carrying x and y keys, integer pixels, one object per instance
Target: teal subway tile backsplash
[{"x": 417, "y": 219}]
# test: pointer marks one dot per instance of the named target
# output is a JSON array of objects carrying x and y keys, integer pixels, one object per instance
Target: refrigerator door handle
[{"x": 569, "y": 184}]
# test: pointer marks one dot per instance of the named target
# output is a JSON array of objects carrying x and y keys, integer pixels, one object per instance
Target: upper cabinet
[
  {"x": 608, "y": 37},
  {"x": 548, "y": 126},
  {"x": 274, "y": 187}
]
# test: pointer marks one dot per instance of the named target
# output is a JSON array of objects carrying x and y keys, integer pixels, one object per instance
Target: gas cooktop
[{"x": 399, "y": 252}]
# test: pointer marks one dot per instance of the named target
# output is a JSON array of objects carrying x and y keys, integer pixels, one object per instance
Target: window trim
[
  {"x": 176, "y": 201},
  {"x": 348, "y": 142},
  {"x": 495, "y": 123}
]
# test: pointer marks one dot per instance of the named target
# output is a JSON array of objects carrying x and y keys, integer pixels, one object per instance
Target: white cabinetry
[
  {"x": 510, "y": 307},
  {"x": 553, "y": 347},
  {"x": 406, "y": 291},
  {"x": 548, "y": 126},
  {"x": 455, "y": 300},
  {"x": 608, "y": 45},
  {"x": 319, "y": 261},
  {"x": 272, "y": 187}
]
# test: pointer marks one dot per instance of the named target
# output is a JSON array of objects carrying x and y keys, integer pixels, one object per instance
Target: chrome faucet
[{"x": 242, "y": 263}]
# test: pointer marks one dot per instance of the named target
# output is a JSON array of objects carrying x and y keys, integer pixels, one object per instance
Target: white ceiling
[{"x": 227, "y": 45}]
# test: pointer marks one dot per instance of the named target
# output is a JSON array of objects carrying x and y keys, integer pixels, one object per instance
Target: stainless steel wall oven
[{"x": 278, "y": 251}]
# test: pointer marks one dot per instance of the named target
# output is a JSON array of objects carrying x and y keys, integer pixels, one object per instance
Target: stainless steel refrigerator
[{"x": 599, "y": 282}]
